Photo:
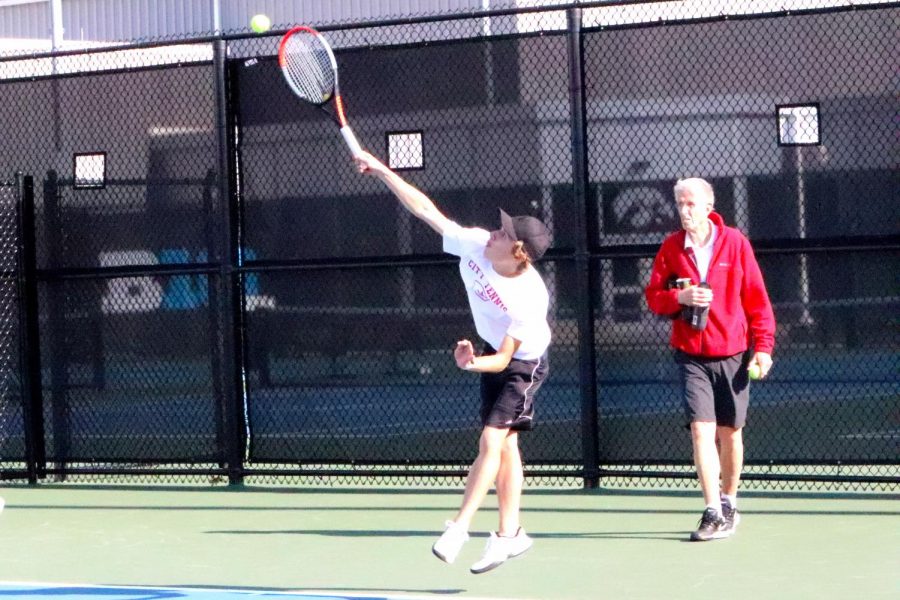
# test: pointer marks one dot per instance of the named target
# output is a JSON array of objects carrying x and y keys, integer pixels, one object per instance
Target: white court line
[{"x": 187, "y": 592}]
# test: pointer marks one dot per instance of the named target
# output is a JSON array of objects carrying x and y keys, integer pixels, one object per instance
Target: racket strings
[{"x": 308, "y": 67}]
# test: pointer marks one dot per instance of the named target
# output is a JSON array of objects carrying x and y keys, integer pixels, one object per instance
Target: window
[
  {"x": 90, "y": 171},
  {"x": 405, "y": 150},
  {"x": 798, "y": 125}
]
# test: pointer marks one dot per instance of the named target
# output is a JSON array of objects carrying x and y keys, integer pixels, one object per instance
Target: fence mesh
[
  {"x": 301, "y": 326},
  {"x": 12, "y": 423}
]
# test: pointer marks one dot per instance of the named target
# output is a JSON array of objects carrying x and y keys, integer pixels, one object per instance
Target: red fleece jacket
[{"x": 740, "y": 310}]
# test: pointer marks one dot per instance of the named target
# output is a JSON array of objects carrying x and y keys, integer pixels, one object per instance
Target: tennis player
[{"x": 509, "y": 304}]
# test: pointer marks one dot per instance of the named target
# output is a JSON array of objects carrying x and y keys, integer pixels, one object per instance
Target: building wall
[
  {"x": 25, "y": 20},
  {"x": 122, "y": 20}
]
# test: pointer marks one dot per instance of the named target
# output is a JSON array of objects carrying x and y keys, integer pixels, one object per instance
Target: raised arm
[{"x": 411, "y": 198}]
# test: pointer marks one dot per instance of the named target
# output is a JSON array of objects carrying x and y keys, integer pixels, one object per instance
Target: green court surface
[{"x": 359, "y": 542}]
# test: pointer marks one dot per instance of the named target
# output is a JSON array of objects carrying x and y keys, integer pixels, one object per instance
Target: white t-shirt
[
  {"x": 514, "y": 306},
  {"x": 702, "y": 254}
]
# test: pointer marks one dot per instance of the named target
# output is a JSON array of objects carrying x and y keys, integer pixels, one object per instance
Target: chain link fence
[
  {"x": 12, "y": 421},
  {"x": 221, "y": 296}
]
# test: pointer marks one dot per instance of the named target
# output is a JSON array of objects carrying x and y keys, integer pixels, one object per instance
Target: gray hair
[{"x": 698, "y": 186}]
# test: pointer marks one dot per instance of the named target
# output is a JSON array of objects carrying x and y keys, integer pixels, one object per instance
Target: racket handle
[{"x": 355, "y": 148}]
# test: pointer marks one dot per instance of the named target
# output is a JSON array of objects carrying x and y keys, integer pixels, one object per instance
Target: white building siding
[
  {"x": 26, "y": 20},
  {"x": 134, "y": 19},
  {"x": 124, "y": 20}
]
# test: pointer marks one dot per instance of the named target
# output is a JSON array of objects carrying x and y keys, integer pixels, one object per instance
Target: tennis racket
[{"x": 308, "y": 66}]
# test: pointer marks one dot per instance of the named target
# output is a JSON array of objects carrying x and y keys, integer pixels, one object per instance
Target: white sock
[
  {"x": 717, "y": 508},
  {"x": 731, "y": 500}
]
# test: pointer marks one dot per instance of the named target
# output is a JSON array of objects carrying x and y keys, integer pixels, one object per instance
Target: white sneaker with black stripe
[{"x": 500, "y": 549}]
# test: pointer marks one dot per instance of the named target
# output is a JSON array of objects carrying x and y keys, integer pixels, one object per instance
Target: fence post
[
  {"x": 590, "y": 443},
  {"x": 29, "y": 333},
  {"x": 225, "y": 295},
  {"x": 56, "y": 327},
  {"x": 211, "y": 241}
]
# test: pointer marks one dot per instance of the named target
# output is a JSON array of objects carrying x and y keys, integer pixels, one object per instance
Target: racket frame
[{"x": 335, "y": 95}]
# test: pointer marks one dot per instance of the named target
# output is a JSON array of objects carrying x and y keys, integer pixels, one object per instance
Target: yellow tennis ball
[
  {"x": 260, "y": 23},
  {"x": 753, "y": 371}
]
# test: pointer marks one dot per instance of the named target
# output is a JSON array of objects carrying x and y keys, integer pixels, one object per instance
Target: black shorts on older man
[{"x": 715, "y": 389}]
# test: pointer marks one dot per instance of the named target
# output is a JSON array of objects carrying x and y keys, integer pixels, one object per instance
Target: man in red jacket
[{"x": 707, "y": 279}]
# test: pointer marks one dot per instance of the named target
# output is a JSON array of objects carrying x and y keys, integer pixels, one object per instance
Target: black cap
[{"x": 533, "y": 234}]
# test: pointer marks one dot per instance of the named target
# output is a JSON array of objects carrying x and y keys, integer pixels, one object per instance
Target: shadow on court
[
  {"x": 432, "y": 535},
  {"x": 449, "y": 592}
]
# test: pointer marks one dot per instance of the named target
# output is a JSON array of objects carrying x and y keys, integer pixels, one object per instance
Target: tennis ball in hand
[
  {"x": 260, "y": 23},
  {"x": 754, "y": 371}
]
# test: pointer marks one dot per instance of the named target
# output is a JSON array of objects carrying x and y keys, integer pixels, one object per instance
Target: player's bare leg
[
  {"x": 481, "y": 477},
  {"x": 509, "y": 485},
  {"x": 731, "y": 458},
  {"x": 482, "y": 474},
  {"x": 706, "y": 459},
  {"x": 511, "y": 540}
]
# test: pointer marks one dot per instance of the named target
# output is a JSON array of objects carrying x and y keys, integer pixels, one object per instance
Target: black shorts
[
  {"x": 715, "y": 389},
  {"x": 507, "y": 398}
]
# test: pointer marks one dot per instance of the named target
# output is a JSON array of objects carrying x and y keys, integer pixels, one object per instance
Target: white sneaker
[
  {"x": 500, "y": 549},
  {"x": 447, "y": 546}
]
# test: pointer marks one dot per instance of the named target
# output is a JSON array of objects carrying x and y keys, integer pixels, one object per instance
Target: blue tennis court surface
[{"x": 104, "y": 592}]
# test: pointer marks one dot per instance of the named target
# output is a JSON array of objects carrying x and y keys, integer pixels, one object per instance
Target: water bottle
[{"x": 699, "y": 314}]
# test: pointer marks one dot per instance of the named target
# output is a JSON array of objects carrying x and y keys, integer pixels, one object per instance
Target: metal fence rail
[{"x": 216, "y": 292}]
